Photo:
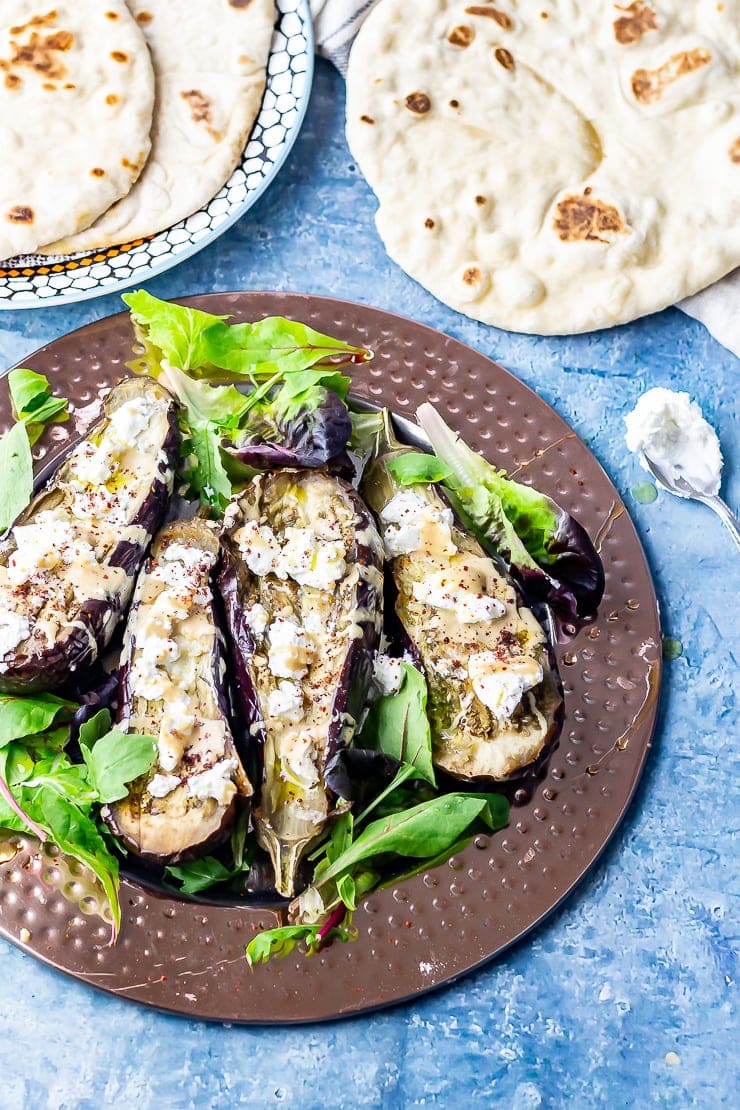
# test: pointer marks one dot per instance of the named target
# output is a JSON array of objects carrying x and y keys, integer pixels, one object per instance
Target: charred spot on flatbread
[
  {"x": 367, "y": 119},
  {"x": 111, "y": 15},
  {"x": 40, "y": 53},
  {"x": 119, "y": 56},
  {"x": 586, "y": 218},
  {"x": 418, "y": 103},
  {"x": 240, "y": 3},
  {"x": 144, "y": 17},
  {"x": 648, "y": 85},
  {"x": 487, "y": 12},
  {"x": 429, "y": 223},
  {"x": 504, "y": 57},
  {"x": 34, "y": 21},
  {"x": 21, "y": 214},
  {"x": 201, "y": 110},
  {"x": 97, "y": 171},
  {"x": 637, "y": 21},
  {"x": 734, "y": 152},
  {"x": 461, "y": 35}
]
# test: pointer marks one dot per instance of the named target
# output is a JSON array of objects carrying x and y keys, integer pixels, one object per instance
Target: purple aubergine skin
[
  {"x": 357, "y": 672},
  {"x": 351, "y": 691},
  {"x": 221, "y": 693},
  {"x": 97, "y": 620},
  {"x": 231, "y": 587},
  {"x": 312, "y": 438}
]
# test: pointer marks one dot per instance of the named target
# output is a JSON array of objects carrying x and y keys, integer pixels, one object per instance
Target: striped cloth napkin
[{"x": 336, "y": 23}]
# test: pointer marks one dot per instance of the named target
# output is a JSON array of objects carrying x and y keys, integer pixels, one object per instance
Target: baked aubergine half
[
  {"x": 302, "y": 586},
  {"x": 68, "y": 564},
  {"x": 173, "y": 686},
  {"x": 494, "y": 696}
]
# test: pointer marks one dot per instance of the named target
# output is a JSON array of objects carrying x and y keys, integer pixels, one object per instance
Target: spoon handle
[{"x": 726, "y": 515}]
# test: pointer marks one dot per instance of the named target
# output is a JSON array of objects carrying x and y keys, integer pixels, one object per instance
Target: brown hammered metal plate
[{"x": 188, "y": 956}]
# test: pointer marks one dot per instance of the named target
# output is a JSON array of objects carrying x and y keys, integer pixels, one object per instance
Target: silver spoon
[{"x": 682, "y": 488}]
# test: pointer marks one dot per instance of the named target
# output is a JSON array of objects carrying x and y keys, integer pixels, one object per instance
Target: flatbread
[
  {"x": 76, "y": 102},
  {"x": 552, "y": 166},
  {"x": 210, "y": 61}
]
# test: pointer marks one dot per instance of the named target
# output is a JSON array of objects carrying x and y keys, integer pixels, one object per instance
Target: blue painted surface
[{"x": 641, "y": 963}]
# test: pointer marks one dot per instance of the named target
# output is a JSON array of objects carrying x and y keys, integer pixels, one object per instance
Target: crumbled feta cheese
[
  {"x": 442, "y": 590},
  {"x": 215, "y": 782},
  {"x": 14, "y": 629},
  {"x": 157, "y": 650},
  {"x": 169, "y": 607},
  {"x": 412, "y": 523},
  {"x": 93, "y": 465},
  {"x": 179, "y": 716},
  {"x": 79, "y": 554},
  {"x": 185, "y": 572},
  {"x": 259, "y": 549},
  {"x": 387, "y": 675},
  {"x": 500, "y": 684},
  {"x": 297, "y": 758},
  {"x": 405, "y": 505},
  {"x": 290, "y": 649},
  {"x": 286, "y": 701},
  {"x": 401, "y": 540},
  {"x": 162, "y": 785},
  {"x": 310, "y": 561},
  {"x": 147, "y": 679},
  {"x": 194, "y": 558},
  {"x": 39, "y": 548},
  {"x": 128, "y": 422},
  {"x": 169, "y": 751},
  {"x": 256, "y": 618}
]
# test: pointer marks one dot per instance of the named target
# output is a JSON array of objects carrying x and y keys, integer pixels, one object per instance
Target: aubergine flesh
[
  {"x": 493, "y": 694},
  {"x": 302, "y": 586},
  {"x": 173, "y": 686},
  {"x": 68, "y": 564}
]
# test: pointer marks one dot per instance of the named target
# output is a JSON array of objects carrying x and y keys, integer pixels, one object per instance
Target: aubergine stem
[
  {"x": 285, "y": 856},
  {"x": 286, "y": 847}
]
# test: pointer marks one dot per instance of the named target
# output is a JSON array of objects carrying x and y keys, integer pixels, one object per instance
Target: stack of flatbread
[
  {"x": 552, "y": 166},
  {"x": 117, "y": 119}
]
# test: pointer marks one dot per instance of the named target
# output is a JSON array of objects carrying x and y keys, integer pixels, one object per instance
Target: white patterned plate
[{"x": 32, "y": 281}]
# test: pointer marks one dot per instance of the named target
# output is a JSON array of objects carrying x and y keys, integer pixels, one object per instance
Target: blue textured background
[{"x": 640, "y": 964}]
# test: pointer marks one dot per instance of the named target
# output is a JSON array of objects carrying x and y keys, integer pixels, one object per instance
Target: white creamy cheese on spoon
[{"x": 670, "y": 429}]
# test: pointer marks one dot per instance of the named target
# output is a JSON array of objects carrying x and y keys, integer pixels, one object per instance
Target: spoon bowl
[{"x": 679, "y": 486}]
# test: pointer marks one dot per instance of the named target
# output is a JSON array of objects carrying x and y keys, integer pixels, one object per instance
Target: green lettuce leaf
[
  {"x": 203, "y": 344},
  {"x": 549, "y": 549},
  {"x": 26, "y": 716},
  {"x": 398, "y": 724},
  {"x": 208, "y": 414},
  {"x": 16, "y": 474},
  {"x": 115, "y": 760},
  {"x": 414, "y": 467},
  {"x": 33, "y": 404}
]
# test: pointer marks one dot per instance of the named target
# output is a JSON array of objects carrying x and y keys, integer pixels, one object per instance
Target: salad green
[
  {"x": 42, "y": 791},
  {"x": 33, "y": 408}
]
